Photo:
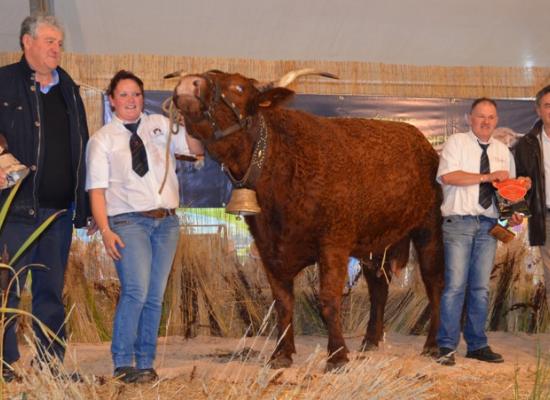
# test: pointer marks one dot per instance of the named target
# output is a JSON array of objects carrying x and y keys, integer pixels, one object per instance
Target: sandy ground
[{"x": 193, "y": 364}]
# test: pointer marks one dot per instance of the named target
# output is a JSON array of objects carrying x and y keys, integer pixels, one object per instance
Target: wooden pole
[{"x": 41, "y": 7}]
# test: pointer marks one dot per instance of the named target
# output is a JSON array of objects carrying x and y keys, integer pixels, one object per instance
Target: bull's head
[{"x": 215, "y": 104}]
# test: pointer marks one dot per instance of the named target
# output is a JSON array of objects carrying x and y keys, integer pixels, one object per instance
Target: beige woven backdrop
[{"x": 356, "y": 78}]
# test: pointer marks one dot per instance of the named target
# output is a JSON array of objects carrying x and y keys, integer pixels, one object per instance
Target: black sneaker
[
  {"x": 126, "y": 374},
  {"x": 147, "y": 375},
  {"x": 57, "y": 371},
  {"x": 9, "y": 375},
  {"x": 485, "y": 354},
  {"x": 446, "y": 356},
  {"x": 74, "y": 377}
]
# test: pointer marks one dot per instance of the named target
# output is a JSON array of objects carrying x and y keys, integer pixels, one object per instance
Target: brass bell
[{"x": 243, "y": 202}]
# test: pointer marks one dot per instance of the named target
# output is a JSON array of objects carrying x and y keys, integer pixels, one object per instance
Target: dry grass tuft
[
  {"x": 361, "y": 379},
  {"x": 209, "y": 292}
]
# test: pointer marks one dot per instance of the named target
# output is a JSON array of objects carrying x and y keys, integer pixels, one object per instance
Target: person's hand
[
  {"x": 527, "y": 181},
  {"x": 498, "y": 176},
  {"x": 112, "y": 241},
  {"x": 3, "y": 178},
  {"x": 516, "y": 219}
]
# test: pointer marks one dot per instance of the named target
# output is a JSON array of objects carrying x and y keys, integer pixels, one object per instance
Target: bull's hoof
[
  {"x": 280, "y": 362},
  {"x": 430, "y": 351},
  {"x": 368, "y": 346},
  {"x": 335, "y": 366}
]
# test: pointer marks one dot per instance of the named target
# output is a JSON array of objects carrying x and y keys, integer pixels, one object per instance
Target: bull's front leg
[
  {"x": 333, "y": 274},
  {"x": 378, "y": 295},
  {"x": 282, "y": 289}
]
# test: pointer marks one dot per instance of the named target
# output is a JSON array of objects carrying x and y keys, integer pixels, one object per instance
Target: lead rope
[
  {"x": 382, "y": 265},
  {"x": 172, "y": 130}
]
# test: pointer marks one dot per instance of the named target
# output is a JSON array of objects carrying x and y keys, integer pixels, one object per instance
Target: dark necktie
[
  {"x": 485, "y": 189},
  {"x": 139, "y": 155}
]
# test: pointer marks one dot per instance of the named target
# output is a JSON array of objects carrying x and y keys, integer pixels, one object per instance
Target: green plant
[{"x": 541, "y": 387}]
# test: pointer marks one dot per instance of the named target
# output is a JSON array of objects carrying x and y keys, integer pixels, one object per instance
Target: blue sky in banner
[{"x": 437, "y": 118}]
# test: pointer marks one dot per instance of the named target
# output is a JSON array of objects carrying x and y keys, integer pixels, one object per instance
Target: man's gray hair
[{"x": 30, "y": 25}]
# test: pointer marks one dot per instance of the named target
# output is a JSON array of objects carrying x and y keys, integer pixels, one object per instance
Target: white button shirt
[
  {"x": 546, "y": 159},
  {"x": 462, "y": 152},
  {"x": 109, "y": 165}
]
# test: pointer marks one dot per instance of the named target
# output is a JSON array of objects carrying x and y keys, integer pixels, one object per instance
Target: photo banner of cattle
[{"x": 207, "y": 186}]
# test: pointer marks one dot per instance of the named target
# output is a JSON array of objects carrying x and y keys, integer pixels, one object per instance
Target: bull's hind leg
[
  {"x": 282, "y": 289},
  {"x": 333, "y": 274},
  {"x": 378, "y": 295},
  {"x": 378, "y": 282},
  {"x": 428, "y": 242}
]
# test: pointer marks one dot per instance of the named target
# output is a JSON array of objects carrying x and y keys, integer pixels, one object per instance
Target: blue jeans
[
  {"x": 469, "y": 258},
  {"x": 51, "y": 249},
  {"x": 150, "y": 246}
]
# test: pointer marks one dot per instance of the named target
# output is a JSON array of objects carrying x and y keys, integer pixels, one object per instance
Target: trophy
[
  {"x": 15, "y": 171},
  {"x": 510, "y": 199}
]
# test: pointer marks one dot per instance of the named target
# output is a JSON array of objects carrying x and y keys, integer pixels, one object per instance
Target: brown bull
[{"x": 328, "y": 188}]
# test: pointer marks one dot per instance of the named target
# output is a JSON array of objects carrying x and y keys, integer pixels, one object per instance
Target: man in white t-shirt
[{"x": 469, "y": 163}]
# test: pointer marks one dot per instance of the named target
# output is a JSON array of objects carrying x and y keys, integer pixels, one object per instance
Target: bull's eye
[{"x": 239, "y": 88}]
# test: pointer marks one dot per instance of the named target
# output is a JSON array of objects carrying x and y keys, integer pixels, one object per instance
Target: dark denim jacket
[{"x": 21, "y": 113}]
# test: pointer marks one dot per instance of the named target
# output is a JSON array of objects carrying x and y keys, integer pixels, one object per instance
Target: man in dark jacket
[
  {"x": 42, "y": 117},
  {"x": 532, "y": 155}
]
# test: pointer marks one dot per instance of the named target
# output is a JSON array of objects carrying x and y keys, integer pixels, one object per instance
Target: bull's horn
[
  {"x": 291, "y": 76},
  {"x": 175, "y": 74}
]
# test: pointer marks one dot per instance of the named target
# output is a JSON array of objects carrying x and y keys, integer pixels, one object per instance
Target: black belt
[{"x": 158, "y": 213}]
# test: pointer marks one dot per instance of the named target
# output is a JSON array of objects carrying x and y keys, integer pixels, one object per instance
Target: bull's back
[
  {"x": 368, "y": 156},
  {"x": 390, "y": 170},
  {"x": 352, "y": 177}
]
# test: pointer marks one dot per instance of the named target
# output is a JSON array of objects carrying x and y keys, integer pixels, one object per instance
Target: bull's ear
[{"x": 274, "y": 97}]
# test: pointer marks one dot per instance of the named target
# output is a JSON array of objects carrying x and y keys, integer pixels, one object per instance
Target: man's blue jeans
[
  {"x": 469, "y": 258},
  {"x": 150, "y": 245},
  {"x": 51, "y": 249}
]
